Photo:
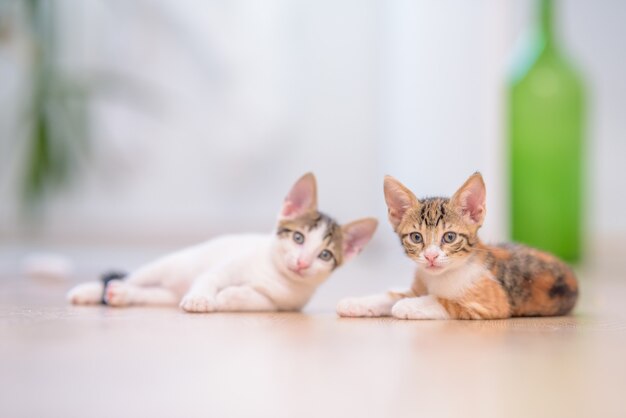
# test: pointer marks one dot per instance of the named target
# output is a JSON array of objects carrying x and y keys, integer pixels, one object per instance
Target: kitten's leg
[
  {"x": 486, "y": 299},
  {"x": 121, "y": 293},
  {"x": 370, "y": 306},
  {"x": 423, "y": 307},
  {"x": 149, "y": 276},
  {"x": 242, "y": 299},
  {"x": 158, "y": 283},
  {"x": 169, "y": 272},
  {"x": 89, "y": 293},
  {"x": 201, "y": 296},
  {"x": 152, "y": 274}
]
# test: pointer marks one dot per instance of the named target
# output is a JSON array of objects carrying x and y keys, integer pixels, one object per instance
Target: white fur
[
  {"x": 453, "y": 281},
  {"x": 121, "y": 293},
  {"x": 422, "y": 307},
  {"x": 256, "y": 265},
  {"x": 261, "y": 265},
  {"x": 239, "y": 272},
  {"x": 368, "y": 306}
]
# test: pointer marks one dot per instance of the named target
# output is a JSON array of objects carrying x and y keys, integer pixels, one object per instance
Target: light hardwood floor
[{"x": 58, "y": 360}]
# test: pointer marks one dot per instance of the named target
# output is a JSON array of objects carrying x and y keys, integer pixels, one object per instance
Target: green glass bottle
[{"x": 546, "y": 106}]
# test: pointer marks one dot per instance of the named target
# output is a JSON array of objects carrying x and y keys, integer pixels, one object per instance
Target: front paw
[
  {"x": 424, "y": 307},
  {"x": 358, "y": 307},
  {"x": 197, "y": 303}
]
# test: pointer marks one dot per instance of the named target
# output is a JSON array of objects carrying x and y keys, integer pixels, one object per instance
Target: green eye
[
  {"x": 449, "y": 237},
  {"x": 416, "y": 237},
  {"x": 298, "y": 237},
  {"x": 326, "y": 255}
]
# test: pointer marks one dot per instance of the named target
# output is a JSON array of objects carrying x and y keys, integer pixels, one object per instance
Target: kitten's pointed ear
[
  {"x": 301, "y": 199},
  {"x": 399, "y": 199},
  {"x": 356, "y": 235},
  {"x": 470, "y": 199}
]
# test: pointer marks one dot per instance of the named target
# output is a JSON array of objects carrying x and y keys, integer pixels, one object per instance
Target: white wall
[
  {"x": 228, "y": 103},
  {"x": 441, "y": 100}
]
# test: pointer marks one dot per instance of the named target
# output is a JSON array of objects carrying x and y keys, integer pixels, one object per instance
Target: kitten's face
[
  {"x": 435, "y": 236},
  {"x": 438, "y": 233},
  {"x": 310, "y": 244}
]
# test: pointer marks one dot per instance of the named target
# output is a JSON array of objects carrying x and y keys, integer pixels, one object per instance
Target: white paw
[
  {"x": 425, "y": 307},
  {"x": 86, "y": 294},
  {"x": 197, "y": 303},
  {"x": 361, "y": 307},
  {"x": 118, "y": 293}
]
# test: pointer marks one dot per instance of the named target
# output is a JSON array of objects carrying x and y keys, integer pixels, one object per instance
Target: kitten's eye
[
  {"x": 416, "y": 237},
  {"x": 449, "y": 237},
  {"x": 298, "y": 237},
  {"x": 326, "y": 255}
]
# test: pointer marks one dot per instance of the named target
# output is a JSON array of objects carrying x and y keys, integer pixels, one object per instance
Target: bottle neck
[{"x": 546, "y": 17}]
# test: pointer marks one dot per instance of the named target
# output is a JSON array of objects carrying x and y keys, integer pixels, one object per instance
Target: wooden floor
[{"x": 62, "y": 361}]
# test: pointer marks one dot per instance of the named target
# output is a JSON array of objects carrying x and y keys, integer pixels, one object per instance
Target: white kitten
[{"x": 279, "y": 271}]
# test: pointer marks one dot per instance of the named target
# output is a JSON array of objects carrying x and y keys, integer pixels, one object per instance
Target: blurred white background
[{"x": 226, "y": 104}]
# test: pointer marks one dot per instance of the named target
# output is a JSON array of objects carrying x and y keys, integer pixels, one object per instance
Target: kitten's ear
[
  {"x": 470, "y": 199},
  {"x": 356, "y": 235},
  {"x": 399, "y": 199},
  {"x": 302, "y": 198}
]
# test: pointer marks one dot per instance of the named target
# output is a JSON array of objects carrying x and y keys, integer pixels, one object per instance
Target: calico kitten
[
  {"x": 459, "y": 277},
  {"x": 274, "y": 272}
]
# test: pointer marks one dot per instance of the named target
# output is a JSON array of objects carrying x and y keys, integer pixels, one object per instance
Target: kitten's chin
[
  {"x": 300, "y": 274},
  {"x": 440, "y": 269},
  {"x": 305, "y": 276},
  {"x": 434, "y": 270}
]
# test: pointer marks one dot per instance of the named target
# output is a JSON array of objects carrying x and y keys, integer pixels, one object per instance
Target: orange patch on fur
[
  {"x": 417, "y": 287},
  {"x": 485, "y": 300},
  {"x": 498, "y": 253}
]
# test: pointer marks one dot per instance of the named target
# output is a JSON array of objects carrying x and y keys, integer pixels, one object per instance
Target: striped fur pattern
[
  {"x": 431, "y": 218},
  {"x": 458, "y": 276}
]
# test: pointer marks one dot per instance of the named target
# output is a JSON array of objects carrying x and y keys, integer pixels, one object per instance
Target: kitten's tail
[{"x": 564, "y": 292}]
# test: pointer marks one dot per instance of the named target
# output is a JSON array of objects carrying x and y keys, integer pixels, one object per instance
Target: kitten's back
[{"x": 537, "y": 283}]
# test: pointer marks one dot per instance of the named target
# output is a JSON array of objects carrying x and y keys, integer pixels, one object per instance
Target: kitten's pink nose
[
  {"x": 302, "y": 264},
  {"x": 431, "y": 257}
]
